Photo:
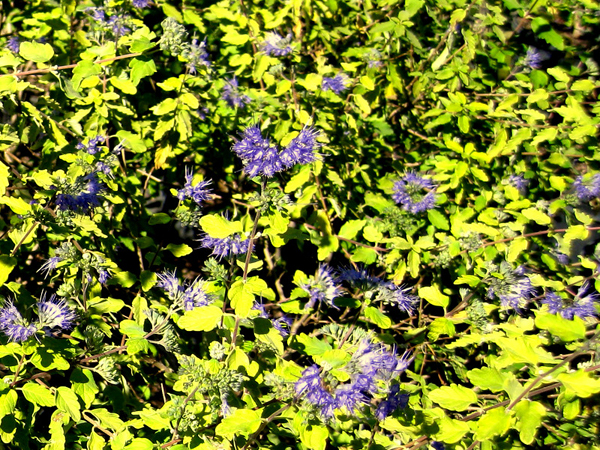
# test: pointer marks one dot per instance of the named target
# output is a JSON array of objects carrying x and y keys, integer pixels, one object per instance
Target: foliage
[{"x": 300, "y": 224}]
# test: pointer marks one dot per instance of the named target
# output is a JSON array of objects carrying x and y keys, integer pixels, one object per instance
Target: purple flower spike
[
  {"x": 13, "y": 44},
  {"x": 582, "y": 306},
  {"x": 322, "y": 287},
  {"x": 416, "y": 194},
  {"x": 55, "y": 314},
  {"x": 232, "y": 95},
  {"x": 394, "y": 401},
  {"x": 199, "y": 193},
  {"x": 12, "y": 324},
  {"x": 224, "y": 247},
  {"x": 337, "y": 84},
  {"x": 302, "y": 148},
  {"x": 276, "y": 45},
  {"x": 588, "y": 189}
]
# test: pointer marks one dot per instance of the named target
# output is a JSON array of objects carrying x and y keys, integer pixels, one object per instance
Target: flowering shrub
[{"x": 299, "y": 225}]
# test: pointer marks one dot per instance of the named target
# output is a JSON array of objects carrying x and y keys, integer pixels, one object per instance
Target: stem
[
  {"x": 264, "y": 424},
  {"x": 19, "y": 366},
  {"x": 69, "y": 66},
  {"x": 254, "y": 228},
  {"x": 35, "y": 224}
]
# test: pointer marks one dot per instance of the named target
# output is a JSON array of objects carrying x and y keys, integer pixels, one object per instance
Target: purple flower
[
  {"x": 394, "y": 401},
  {"x": 518, "y": 182},
  {"x": 103, "y": 276},
  {"x": 276, "y": 45},
  {"x": 359, "y": 279},
  {"x": 187, "y": 295},
  {"x": 82, "y": 195},
  {"x": 588, "y": 189},
  {"x": 141, "y": 3},
  {"x": 199, "y": 192},
  {"x": 93, "y": 145},
  {"x": 262, "y": 312},
  {"x": 302, "y": 148},
  {"x": 392, "y": 294},
  {"x": 416, "y": 194},
  {"x": 581, "y": 306},
  {"x": 349, "y": 397},
  {"x": 13, "y": 325},
  {"x": 97, "y": 14},
  {"x": 55, "y": 314},
  {"x": 311, "y": 387},
  {"x": 50, "y": 265},
  {"x": 337, "y": 84},
  {"x": 259, "y": 155},
  {"x": 13, "y": 44},
  {"x": 232, "y": 95},
  {"x": 374, "y": 360},
  {"x": 512, "y": 288},
  {"x": 118, "y": 24},
  {"x": 196, "y": 55},
  {"x": 223, "y": 247},
  {"x": 535, "y": 57},
  {"x": 283, "y": 324},
  {"x": 322, "y": 287}
]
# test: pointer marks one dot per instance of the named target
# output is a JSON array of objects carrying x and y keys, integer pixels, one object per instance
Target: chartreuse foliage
[{"x": 413, "y": 264}]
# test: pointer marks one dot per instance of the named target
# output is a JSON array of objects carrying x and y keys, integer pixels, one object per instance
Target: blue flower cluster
[
  {"x": 512, "y": 287},
  {"x": 263, "y": 158},
  {"x": 371, "y": 367},
  {"x": 276, "y": 45},
  {"x": 337, "y": 84},
  {"x": 196, "y": 55},
  {"x": 380, "y": 290},
  {"x": 198, "y": 192},
  {"x": 82, "y": 195},
  {"x": 416, "y": 194},
  {"x": 519, "y": 183},
  {"x": 232, "y": 95},
  {"x": 93, "y": 145},
  {"x": 581, "y": 306},
  {"x": 224, "y": 247},
  {"x": 141, "y": 3},
  {"x": 534, "y": 58},
  {"x": 588, "y": 188},
  {"x": 13, "y": 44},
  {"x": 188, "y": 295},
  {"x": 53, "y": 315},
  {"x": 322, "y": 287}
]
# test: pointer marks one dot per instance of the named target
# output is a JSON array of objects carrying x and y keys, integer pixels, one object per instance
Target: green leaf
[
  {"x": 517, "y": 246},
  {"x": 125, "y": 279},
  {"x": 7, "y": 264},
  {"x": 204, "y": 318},
  {"x": 494, "y": 423},
  {"x": 440, "y": 326},
  {"x": 180, "y": 250},
  {"x": 567, "y": 330},
  {"x": 453, "y": 397},
  {"x": 377, "y": 317},
  {"x": 141, "y": 67},
  {"x": 312, "y": 345},
  {"x": 530, "y": 418},
  {"x": 153, "y": 419},
  {"x": 536, "y": 216},
  {"x": 351, "y": 228},
  {"x": 488, "y": 378},
  {"x": 132, "y": 141},
  {"x": 314, "y": 437},
  {"x": 438, "y": 220},
  {"x": 107, "y": 419},
  {"x": 139, "y": 443},
  {"x": 450, "y": 430},
  {"x": 241, "y": 422},
  {"x": 363, "y": 104},
  {"x": 36, "y": 52},
  {"x": 132, "y": 329},
  {"x": 367, "y": 82},
  {"x": 218, "y": 227},
  {"x": 67, "y": 402},
  {"x": 84, "y": 385},
  {"x": 159, "y": 218},
  {"x": 38, "y": 394},
  {"x": 581, "y": 383},
  {"x": 148, "y": 280},
  {"x": 434, "y": 296}
]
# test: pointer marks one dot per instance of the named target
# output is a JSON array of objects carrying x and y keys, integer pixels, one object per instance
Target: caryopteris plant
[{"x": 299, "y": 224}]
